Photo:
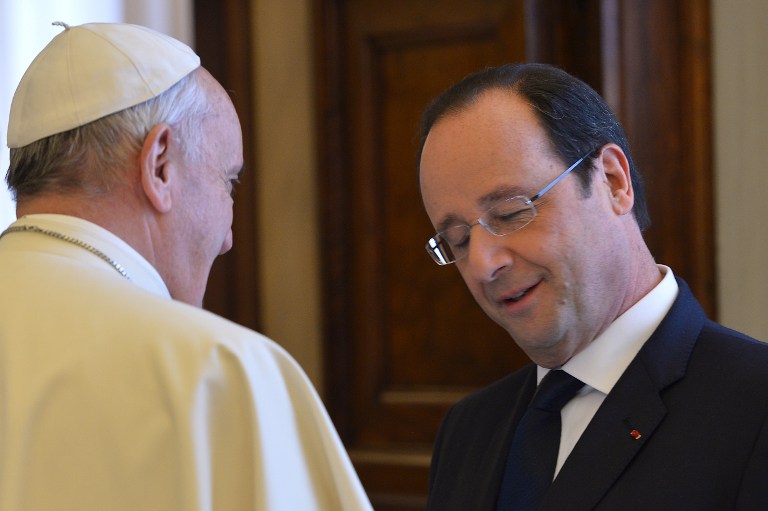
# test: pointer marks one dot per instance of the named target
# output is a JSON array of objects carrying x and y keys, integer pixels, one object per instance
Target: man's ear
[
  {"x": 616, "y": 174},
  {"x": 156, "y": 171}
]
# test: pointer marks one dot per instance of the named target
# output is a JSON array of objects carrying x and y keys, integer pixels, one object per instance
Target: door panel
[{"x": 404, "y": 338}]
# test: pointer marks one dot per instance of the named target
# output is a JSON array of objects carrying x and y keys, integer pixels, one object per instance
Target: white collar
[
  {"x": 141, "y": 272},
  {"x": 604, "y": 360}
]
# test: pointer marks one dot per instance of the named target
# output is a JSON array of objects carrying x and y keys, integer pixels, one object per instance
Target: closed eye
[
  {"x": 232, "y": 179},
  {"x": 509, "y": 216},
  {"x": 457, "y": 236}
]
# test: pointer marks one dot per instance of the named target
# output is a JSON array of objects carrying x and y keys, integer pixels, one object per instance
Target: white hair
[{"x": 91, "y": 157}]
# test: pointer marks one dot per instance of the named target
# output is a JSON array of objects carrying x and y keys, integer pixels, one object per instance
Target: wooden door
[{"x": 404, "y": 338}]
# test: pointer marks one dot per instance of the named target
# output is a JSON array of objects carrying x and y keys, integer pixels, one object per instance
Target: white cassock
[{"x": 115, "y": 397}]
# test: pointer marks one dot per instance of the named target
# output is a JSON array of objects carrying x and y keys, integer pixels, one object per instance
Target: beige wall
[
  {"x": 740, "y": 52},
  {"x": 289, "y": 264}
]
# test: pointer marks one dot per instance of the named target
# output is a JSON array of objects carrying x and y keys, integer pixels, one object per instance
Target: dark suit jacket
[{"x": 697, "y": 393}]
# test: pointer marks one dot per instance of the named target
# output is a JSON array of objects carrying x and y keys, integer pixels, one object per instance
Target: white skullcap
[{"x": 90, "y": 71}]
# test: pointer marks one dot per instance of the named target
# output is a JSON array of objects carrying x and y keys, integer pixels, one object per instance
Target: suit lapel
[
  {"x": 631, "y": 412},
  {"x": 625, "y": 421}
]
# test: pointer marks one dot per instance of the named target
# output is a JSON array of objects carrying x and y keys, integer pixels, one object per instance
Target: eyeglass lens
[{"x": 504, "y": 218}]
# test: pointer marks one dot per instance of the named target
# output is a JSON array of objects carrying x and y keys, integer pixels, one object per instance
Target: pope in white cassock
[{"x": 117, "y": 391}]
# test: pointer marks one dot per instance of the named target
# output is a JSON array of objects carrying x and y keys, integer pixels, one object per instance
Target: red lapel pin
[{"x": 634, "y": 433}]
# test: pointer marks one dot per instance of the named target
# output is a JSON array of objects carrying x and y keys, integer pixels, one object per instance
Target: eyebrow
[
  {"x": 499, "y": 194},
  {"x": 448, "y": 221}
]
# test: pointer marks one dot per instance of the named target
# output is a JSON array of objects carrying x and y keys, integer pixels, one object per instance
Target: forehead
[
  {"x": 223, "y": 135},
  {"x": 494, "y": 146}
]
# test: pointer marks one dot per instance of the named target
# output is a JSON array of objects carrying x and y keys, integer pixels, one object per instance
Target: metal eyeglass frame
[{"x": 442, "y": 257}]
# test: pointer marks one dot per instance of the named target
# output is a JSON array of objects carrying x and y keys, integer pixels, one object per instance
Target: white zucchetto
[{"x": 90, "y": 71}]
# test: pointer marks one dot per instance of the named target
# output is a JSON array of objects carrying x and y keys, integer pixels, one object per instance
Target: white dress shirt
[{"x": 604, "y": 360}]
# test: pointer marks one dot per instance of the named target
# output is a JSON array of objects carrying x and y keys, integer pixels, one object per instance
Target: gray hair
[{"x": 91, "y": 158}]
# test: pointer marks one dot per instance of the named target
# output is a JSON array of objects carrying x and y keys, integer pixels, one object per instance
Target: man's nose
[{"x": 488, "y": 254}]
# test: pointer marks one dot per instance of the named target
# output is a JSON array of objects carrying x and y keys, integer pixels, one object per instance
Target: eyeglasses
[{"x": 504, "y": 218}]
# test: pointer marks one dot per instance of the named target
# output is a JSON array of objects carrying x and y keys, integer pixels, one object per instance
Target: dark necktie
[{"x": 533, "y": 455}]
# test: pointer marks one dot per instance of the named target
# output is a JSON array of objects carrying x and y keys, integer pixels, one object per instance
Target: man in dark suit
[{"x": 529, "y": 181}]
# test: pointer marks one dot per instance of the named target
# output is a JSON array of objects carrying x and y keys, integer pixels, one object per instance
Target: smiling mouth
[{"x": 519, "y": 296}]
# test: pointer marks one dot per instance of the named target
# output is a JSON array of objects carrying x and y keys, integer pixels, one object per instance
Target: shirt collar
[
  {"x": 603, "y": 361},
  {"x": 141, "y": 272}
]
